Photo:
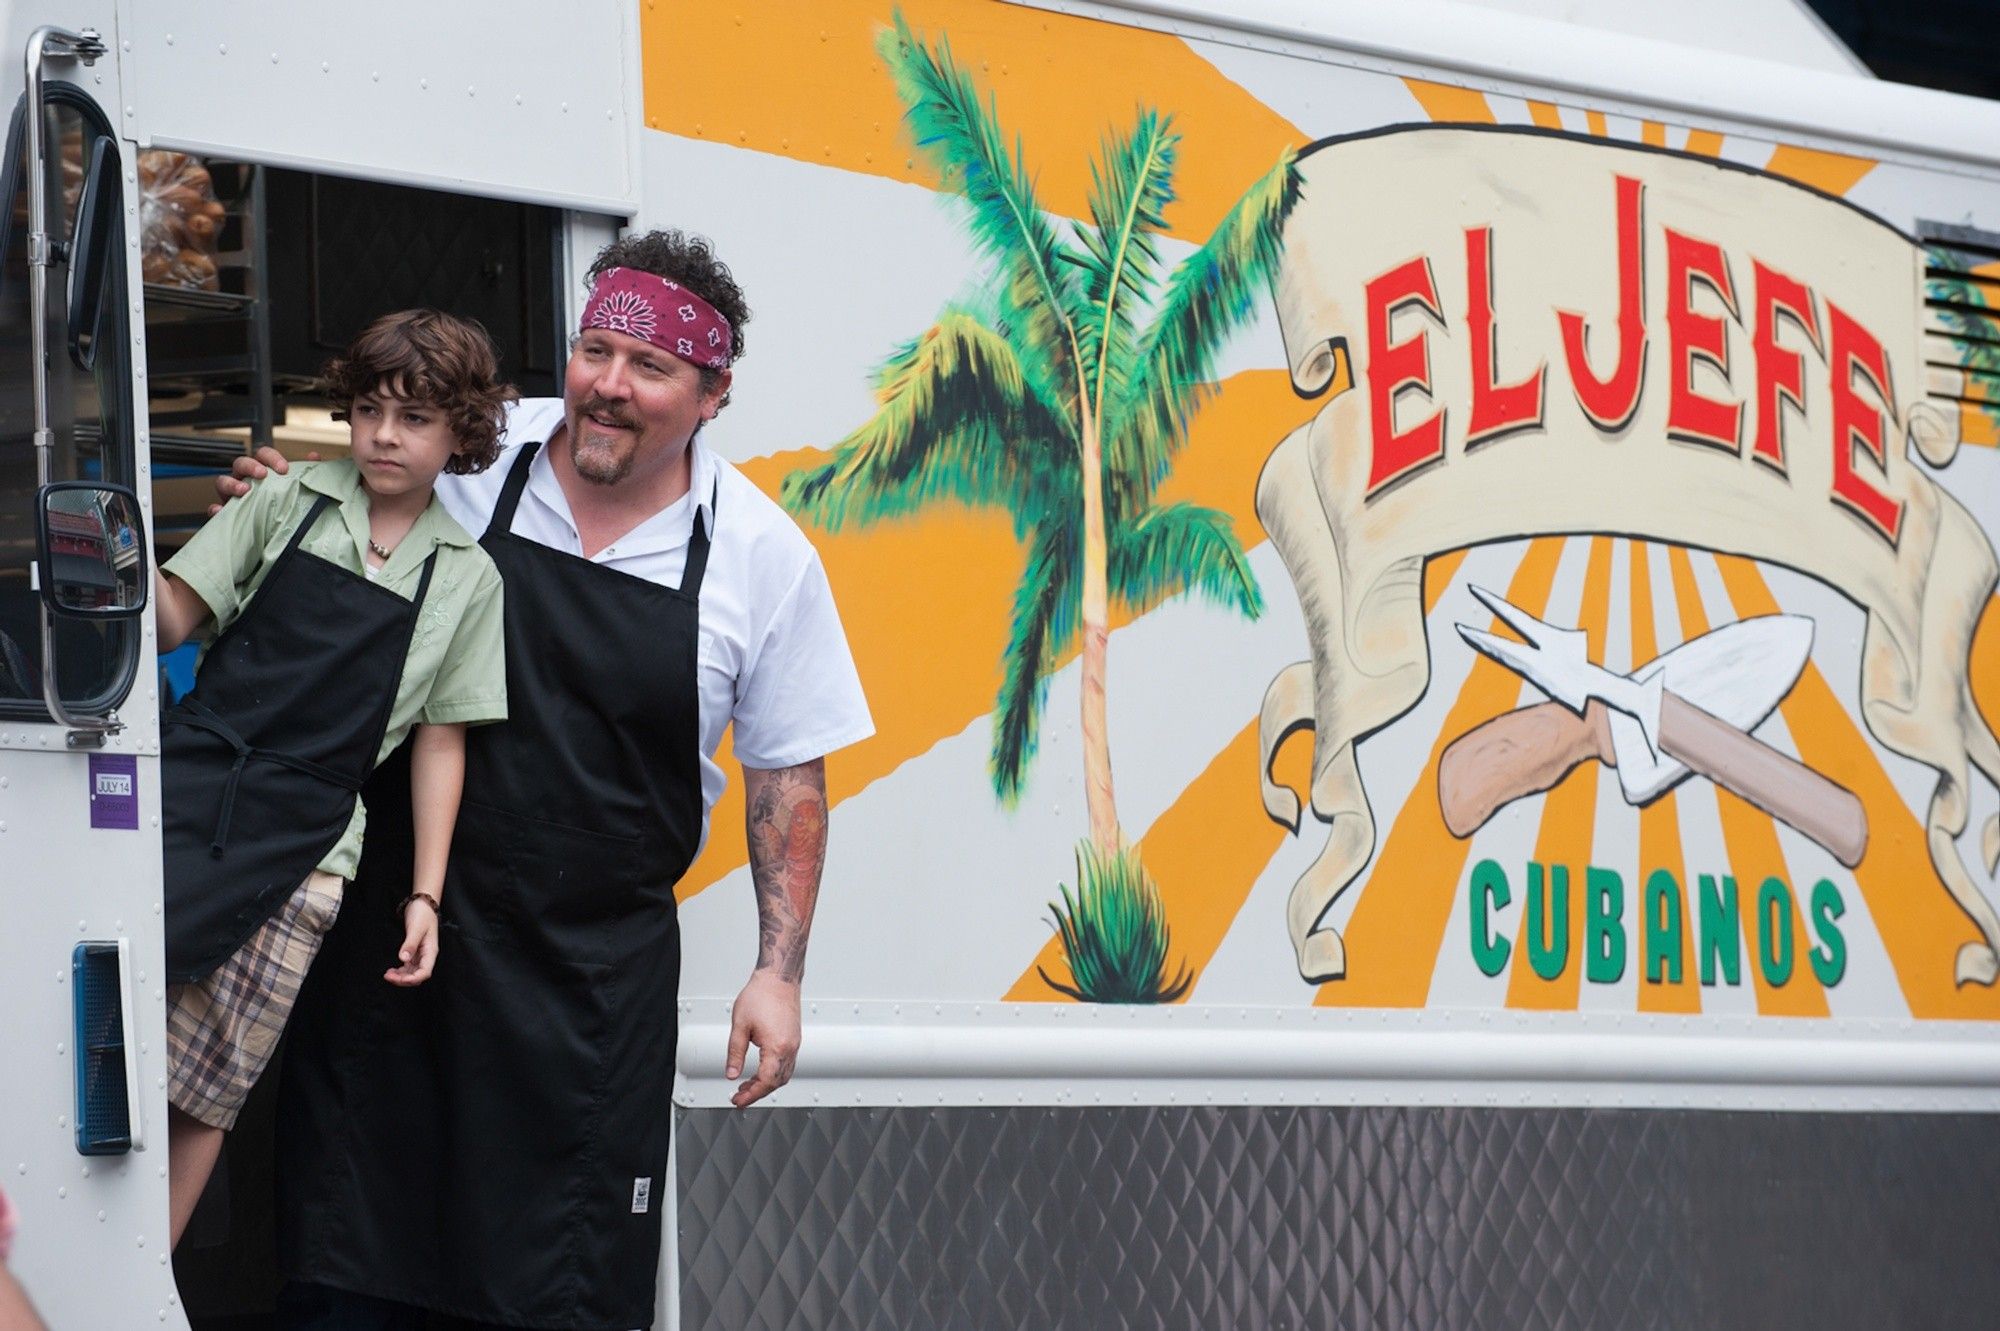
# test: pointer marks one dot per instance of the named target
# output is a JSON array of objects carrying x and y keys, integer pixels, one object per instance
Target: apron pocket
[{"x": 565, "y": 891}]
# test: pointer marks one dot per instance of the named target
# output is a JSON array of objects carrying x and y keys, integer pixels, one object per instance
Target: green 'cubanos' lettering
[
  {"x": 1664, "y": 945},
  {"x": 1603, "y": 925},
  {"x": 1721, "y": 931},
  {"x": 1665, "y": 918},
  {"x": 1489, "y": 893}
]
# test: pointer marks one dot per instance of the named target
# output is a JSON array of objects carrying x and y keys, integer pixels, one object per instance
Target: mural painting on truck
[{"x": 1558, "y": 508}]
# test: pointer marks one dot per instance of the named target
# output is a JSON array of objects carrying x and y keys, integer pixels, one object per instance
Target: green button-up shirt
[{"x": 456, "y": 669}]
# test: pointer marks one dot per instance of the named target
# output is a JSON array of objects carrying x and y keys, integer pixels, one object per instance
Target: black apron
[
  {"x": 493, "y": 1144},
  {"x": 264, "y": 758}
]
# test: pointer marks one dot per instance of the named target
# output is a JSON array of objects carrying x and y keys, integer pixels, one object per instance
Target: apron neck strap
[
  {"x": 510, "y": 493},
  {"x": 320, "y": 505},
  {"x": 424, "y": 583},
  {"x": 697, "y": 556}
]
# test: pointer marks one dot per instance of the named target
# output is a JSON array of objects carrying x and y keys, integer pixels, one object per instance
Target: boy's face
[{"x": 400, "y": 444}]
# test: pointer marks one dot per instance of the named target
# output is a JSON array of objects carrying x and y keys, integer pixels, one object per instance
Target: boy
[{"x": 348, "y": 609}]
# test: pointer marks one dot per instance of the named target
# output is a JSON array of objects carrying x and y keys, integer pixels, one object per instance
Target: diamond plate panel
[{"x": 1149, "y": 1218}]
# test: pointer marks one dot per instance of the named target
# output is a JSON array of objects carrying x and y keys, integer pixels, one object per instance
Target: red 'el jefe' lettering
[
  {"x": 1856, "y": 422},
  {"x": 1396, "y": 366},
  {"x": 1690, "y": 415},
  {"x": 1780, "y": 370},
  {"x": 1610, "y": 402},
  {"x": 1496, "y": 407}
]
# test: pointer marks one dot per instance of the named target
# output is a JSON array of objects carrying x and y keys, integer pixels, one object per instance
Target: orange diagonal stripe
[
  {"x": 954, "y": 571},
  {"x": 1207, "y": 850},
  {"x": 1569, "y": 825},
  {"x": 1918, "y": 923},
  {"x": 1704, "y": 143},
  {"x": 1653, "y": 132},
  {"x": 1398, "y": 926},
  {"x": 1059, "y": 84},
  {"x": 1444, "y": 103},
  {"x": 1751, "y": 841},
  {"x": 1659, "y": 837},
  {"x": 1546, "y": 114},
  {"x": 1985, "y": 666},
  {"x": 1836, "y": 173}
]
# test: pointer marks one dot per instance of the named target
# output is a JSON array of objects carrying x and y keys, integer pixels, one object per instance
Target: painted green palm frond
[
  {"x": 955, "y": 419},
  {"x": 1043, "y": 628},
  {"x": 1182, "y": 548},
  {"x": 1211, "y": 293},
  {"x": 961, "y": 135},
  {"x": 1130, "y": 187}
]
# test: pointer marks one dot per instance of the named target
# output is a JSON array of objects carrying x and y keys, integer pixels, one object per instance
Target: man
[{"x": 491, "y": 1147}]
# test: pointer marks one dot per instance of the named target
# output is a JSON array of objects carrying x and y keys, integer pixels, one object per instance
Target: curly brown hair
[
  {"x": 429, "y": 356},
  {"x": 690, "y": 261}
]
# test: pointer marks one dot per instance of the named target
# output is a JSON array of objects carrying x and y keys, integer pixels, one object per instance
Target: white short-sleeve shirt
[{"x": 774, "y": 660}]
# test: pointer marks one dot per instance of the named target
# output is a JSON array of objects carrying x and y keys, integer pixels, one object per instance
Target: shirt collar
[
  {"x": 701, "y": 478},
  {"x": 341, "y": 481}
]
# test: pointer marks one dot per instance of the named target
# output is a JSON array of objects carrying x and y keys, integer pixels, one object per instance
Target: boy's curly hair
[
  {"x": 690, "y": 261},
  {"x": 429, "y": 356}
]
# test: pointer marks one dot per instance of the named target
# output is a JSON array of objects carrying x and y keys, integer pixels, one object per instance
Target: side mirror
[{"x": 92, "y": 547}]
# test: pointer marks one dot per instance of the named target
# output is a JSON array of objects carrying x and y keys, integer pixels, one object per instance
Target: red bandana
[{"x": 666, "y": 314}]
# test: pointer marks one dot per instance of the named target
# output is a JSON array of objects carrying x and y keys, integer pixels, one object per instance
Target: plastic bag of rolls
[{"x": 179, "y": 220}]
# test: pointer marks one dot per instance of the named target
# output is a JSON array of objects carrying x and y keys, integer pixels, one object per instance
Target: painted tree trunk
[{"x": 1096, "y": 623}]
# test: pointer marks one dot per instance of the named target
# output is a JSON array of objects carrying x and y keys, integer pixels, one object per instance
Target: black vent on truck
[{"x": 1962, "y": 326}]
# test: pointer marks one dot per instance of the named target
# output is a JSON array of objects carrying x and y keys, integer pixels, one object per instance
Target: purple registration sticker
[{"x": 114, "y": 791}]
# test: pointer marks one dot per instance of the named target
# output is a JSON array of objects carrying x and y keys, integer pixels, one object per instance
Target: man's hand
[
  {"x": 248, "y": 469},
  {"x": 766, "y": 1015}
]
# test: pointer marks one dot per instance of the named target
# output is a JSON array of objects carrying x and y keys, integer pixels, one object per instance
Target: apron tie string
[{"x": 192, "y": 711}]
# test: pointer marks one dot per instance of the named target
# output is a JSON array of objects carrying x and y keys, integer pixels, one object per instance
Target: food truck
[{"x": 1425, "y": 575}]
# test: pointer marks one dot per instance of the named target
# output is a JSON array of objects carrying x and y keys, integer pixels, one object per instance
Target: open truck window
[{"x": 90, "y": 392}]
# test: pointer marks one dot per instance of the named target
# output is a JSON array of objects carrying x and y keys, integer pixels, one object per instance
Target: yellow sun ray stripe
[
  {"x": 1985, "y": 667},
  {"x": 1653, "y": 132},
  {"x": 954, "y": 570},
  {"x": 1754, "y": 854},
  {"x": 1836, "y": 173},
  {"x": 1978, "y": 425},
  {"x": 1568, "y": 829},
  {"x": 1546, "y": 114},
  {"x": 1659, "y": 833},
  {"x": 1915, "y": 918},
  {"x": 1704, "y": 143},
  {"x": 1595, "y": 120},
  {"x": 1399, "y": 923},
  {"x": 1058, "y": 83},
  {"x": 1208, "y": 849},
  {"x": 1444, "y": 103}
]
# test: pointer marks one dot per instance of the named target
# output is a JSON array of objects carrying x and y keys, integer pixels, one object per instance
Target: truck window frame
[{"x": 106, "y": 358}]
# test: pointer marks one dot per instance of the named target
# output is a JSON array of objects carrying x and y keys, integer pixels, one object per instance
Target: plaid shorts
[{"x": 223, "y": 1028}]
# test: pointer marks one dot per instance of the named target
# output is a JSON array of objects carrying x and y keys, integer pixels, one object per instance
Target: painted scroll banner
[{"x": 1536, "y": 334}]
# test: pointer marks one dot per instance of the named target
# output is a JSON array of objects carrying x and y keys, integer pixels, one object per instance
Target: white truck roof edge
[{"x": 1520, "y": 54}]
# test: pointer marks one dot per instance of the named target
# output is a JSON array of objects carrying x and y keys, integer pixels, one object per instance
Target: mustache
[{"x": 597, "y": 406}]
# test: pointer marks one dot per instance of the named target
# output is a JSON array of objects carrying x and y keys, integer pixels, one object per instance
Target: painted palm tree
[{"x": 1061, "y": 393}]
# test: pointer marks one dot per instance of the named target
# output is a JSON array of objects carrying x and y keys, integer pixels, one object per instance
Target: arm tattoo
[{"x": 785, "y": 822}]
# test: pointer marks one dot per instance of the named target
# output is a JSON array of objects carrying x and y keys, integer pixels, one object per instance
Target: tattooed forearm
[{"x": 785, "y": 820}]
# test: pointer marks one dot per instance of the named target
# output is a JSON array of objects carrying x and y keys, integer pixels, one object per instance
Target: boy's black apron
[
  {"x": 493, "y": 1145},
  {"x": 265, "y": 756}
]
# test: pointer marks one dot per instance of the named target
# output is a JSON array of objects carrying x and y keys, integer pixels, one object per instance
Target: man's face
[{"x": 631, "y": 406}]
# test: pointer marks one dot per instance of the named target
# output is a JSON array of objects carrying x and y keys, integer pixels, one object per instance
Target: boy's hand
[{"x": 418, "y": 955}]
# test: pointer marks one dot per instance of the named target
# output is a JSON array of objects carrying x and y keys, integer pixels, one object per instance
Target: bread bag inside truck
[{"x": 1426, "y": 577}]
